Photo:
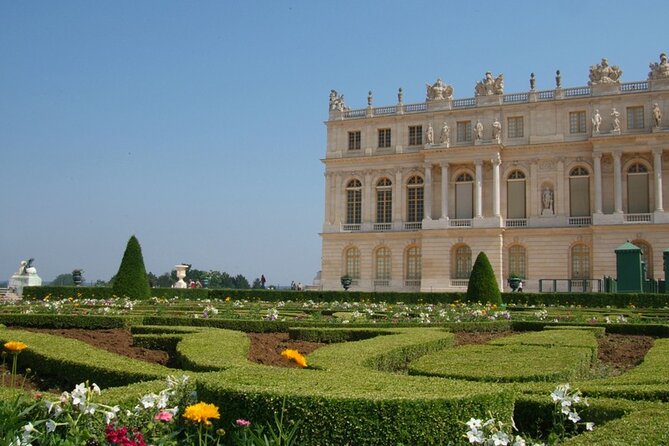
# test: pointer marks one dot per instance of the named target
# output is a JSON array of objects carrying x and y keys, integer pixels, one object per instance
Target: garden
[{"x": 100, "y": 366}]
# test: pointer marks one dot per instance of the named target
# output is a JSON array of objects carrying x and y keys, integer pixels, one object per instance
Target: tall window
[
  {"x": 415, "y": 199},
  {"x": 514, "y": 127},
  {"x": 517, "y": 261},
  {"x": 635, "y": 117},
  {"x": 579, "y": 192},
  {"x": 413, "y": 265},
  {"x": 463, "y": 262},
  {"x": 638, "y": 200},
  {"x": 384, "y": 138},
  {"x": 384, "y": 201},
  {"x": 580, "y": 261},
  {"x": 515, "y": 195},
  {"x": 415, "y": 135},
  {"x": 354, "y": 202},
  {"x": 577, "y": 122},
  {"x": 383, "y": 264},
  {"x": 354, "y": 140},
  {"x": 464, "y": 196},
  {"x": 353, "y": 263},
  {"x": 464, "y": 131}
]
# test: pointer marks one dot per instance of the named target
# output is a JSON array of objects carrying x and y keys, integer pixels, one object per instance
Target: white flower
[
  {"x": 500, "y": 438},
  {"x": 96, "y": 389},
  {"x": 573, "y": 416},
  {"x": 519, "y": 441},
  {"x": 473, "y": 423},
  {"x": 111, "y": 414},
  {"x": 475, "y": 436},
  {"x": 589, "y": 426},
  {"x": 50, "y": 426},
  {"x": 148, "y": 400},
  {"x": 89, "y": 409}
]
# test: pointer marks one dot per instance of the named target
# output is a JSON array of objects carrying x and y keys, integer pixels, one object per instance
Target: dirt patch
[
  {"x": 266, "y": 348},
  {"x": 472, "y": 337},
  {"x": 622, "y": 352},
  {"x": 115, "y": 340}
]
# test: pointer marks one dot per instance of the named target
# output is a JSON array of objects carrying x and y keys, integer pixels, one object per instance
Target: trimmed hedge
[
  {"x": 482, "y": 285},
  {"x": 72, "y": 361},
  {"x": 69, "y": 321},
  {"x": 586, "y": 300},
  {"x": 370, "y": 408},
  {"x": 131, "y": 279}
]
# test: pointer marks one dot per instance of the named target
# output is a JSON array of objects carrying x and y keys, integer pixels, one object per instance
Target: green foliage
[
  {"x": 69, "y": 321},
  {"x": 72, "y": 361},
  {"x": 483, "y": 285},
  {"x": 63, "y": 280},
  {"x": 131, "y": 279},
  {"x": 590, "y": 300}
]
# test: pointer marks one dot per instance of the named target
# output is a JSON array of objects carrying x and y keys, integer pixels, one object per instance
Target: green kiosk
[{"x": 630, "y": 269}]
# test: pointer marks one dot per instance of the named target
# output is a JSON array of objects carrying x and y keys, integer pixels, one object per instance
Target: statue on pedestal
[
  {"x": 547, "y": 201},
  {"x": 596, "y": 122},
  {"x": 603, "y": 73},
  {"x": 615, "y": 125},
  {"x": 497, "y": 131},
  {"x": 446, "y": 135},
  {"x": 26, "y": 276},
  {"x": 659, "y": 70},
  {"x": 490, "y": 85},
  {"x": 478, "y": 131},
  {"x": 657, "y": 115},
  {"x": 337, "y": 101},
  {"x": 439, "y": 91},
  {"x": 429, "y": 134}
]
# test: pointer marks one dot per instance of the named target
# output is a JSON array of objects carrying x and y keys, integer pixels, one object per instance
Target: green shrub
[
  {"x": 131, "y": 279},
  {"x": 483, "y": 285}
]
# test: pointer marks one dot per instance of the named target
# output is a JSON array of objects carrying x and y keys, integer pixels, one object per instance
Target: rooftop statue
[
  {"x": 603, "y": 73},
  {"x": 659, "y": 70},
  {"x": 490, "y": 85},
  {"x": 337, "y": 101},
  {"x": 439, "y": 91}
]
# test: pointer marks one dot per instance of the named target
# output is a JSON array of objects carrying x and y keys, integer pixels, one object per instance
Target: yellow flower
[
  {"x": 227, "y": 299},
  {"x": 15, "y": 346},
  {"x": 295, "y": 356},
  {"x": 201, "y": 412}
]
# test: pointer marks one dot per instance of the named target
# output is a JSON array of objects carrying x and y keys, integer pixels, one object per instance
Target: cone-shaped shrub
[
  {"x": 482, "y": 282},
  {"x": 131, "y": 280}
]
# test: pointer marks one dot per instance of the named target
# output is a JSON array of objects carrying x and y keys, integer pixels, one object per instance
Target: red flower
[{"x": 120, "y": 436}]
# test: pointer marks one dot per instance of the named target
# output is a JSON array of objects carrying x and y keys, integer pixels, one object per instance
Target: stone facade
[{"x": 547, "y": 183}]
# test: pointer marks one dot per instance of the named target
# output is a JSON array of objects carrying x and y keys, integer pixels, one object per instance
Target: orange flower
[
  {"x": 201, "y": 412},
  {"x": 15, "y": 346},
  {"x": 295, "y": 356}
]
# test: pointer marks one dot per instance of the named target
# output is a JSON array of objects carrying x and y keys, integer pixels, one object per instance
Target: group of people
[{"x": 299, "y": 286}]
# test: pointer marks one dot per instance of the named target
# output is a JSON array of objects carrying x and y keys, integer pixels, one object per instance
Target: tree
[
  {"x": 257, "y": 285},
  {"x": 63, "y": 280},
  {"x": 131, "y": 279},
  {"x": 483, "y": 285}
]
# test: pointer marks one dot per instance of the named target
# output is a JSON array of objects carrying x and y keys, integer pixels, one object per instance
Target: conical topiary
[
  {"x": 483, "y": 285},
  {"x": 131, "y": 280}
]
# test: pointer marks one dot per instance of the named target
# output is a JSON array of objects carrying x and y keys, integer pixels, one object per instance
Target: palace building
[{"x": 547, "y": 183}]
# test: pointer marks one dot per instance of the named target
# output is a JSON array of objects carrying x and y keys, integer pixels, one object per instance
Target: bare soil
[{"x": 617, "y": 353}]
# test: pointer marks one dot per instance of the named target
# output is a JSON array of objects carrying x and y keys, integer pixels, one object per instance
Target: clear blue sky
[{"x": 198, "y": 126}]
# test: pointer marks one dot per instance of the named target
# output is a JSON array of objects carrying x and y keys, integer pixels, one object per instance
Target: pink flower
[
  {"x": 243, "y": 423},
  {"x": 163, "y": 416}
]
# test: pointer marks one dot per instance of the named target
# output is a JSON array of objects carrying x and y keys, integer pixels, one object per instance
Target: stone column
[
  {"x": 495, "y": 185},
  {"x": 328, "y": 198},
  {"x": 559, "y": 201},
  {"x": 367, "y": 202},
  {"x": 478, "y": 193},
  {"x": 657, "y": 169},
  {"x": 617, "y": 182},
  {"x": 597, "y": 158},
  {"x": 338, "y": 199},
  {"x": 445, "y": 178},
  {"x": 427, "y": 195},
  {"x": 397, "y": 197}
]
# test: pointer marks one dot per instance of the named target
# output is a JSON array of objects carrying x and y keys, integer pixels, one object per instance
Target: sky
[{"x": 199, "y": 126}]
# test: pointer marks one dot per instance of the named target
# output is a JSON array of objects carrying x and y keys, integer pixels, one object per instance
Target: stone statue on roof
[
  {"x": 337, "y": 101},
  {"x": 439, "y": 91},
  {"x": 603, "y": 73},
  {"x": 490, "y": 85},
  {"x": 659, "y": 70}
]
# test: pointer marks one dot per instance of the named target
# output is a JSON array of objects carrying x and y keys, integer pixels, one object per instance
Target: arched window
[
  {"x": 383, "y": 264},
  {"x": 384, "y": 201},
  {"x": 413, "y": 265},
  {"x": 415, "y": 199},
  {"x": 352, "y": 258},
  {"x": 463, "y": 262},
  {"x": 580, "y": 261},
  {"x": 646, "y": 256},
  {"x": 464, "y": 196},
  {"x": 517, "y": 261},
  {"x": 579, "y": 192},
  {"x": 638, "y": 200},
  {"x": 515, "y": 195},
  {"x": 353, "y": 202}
]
